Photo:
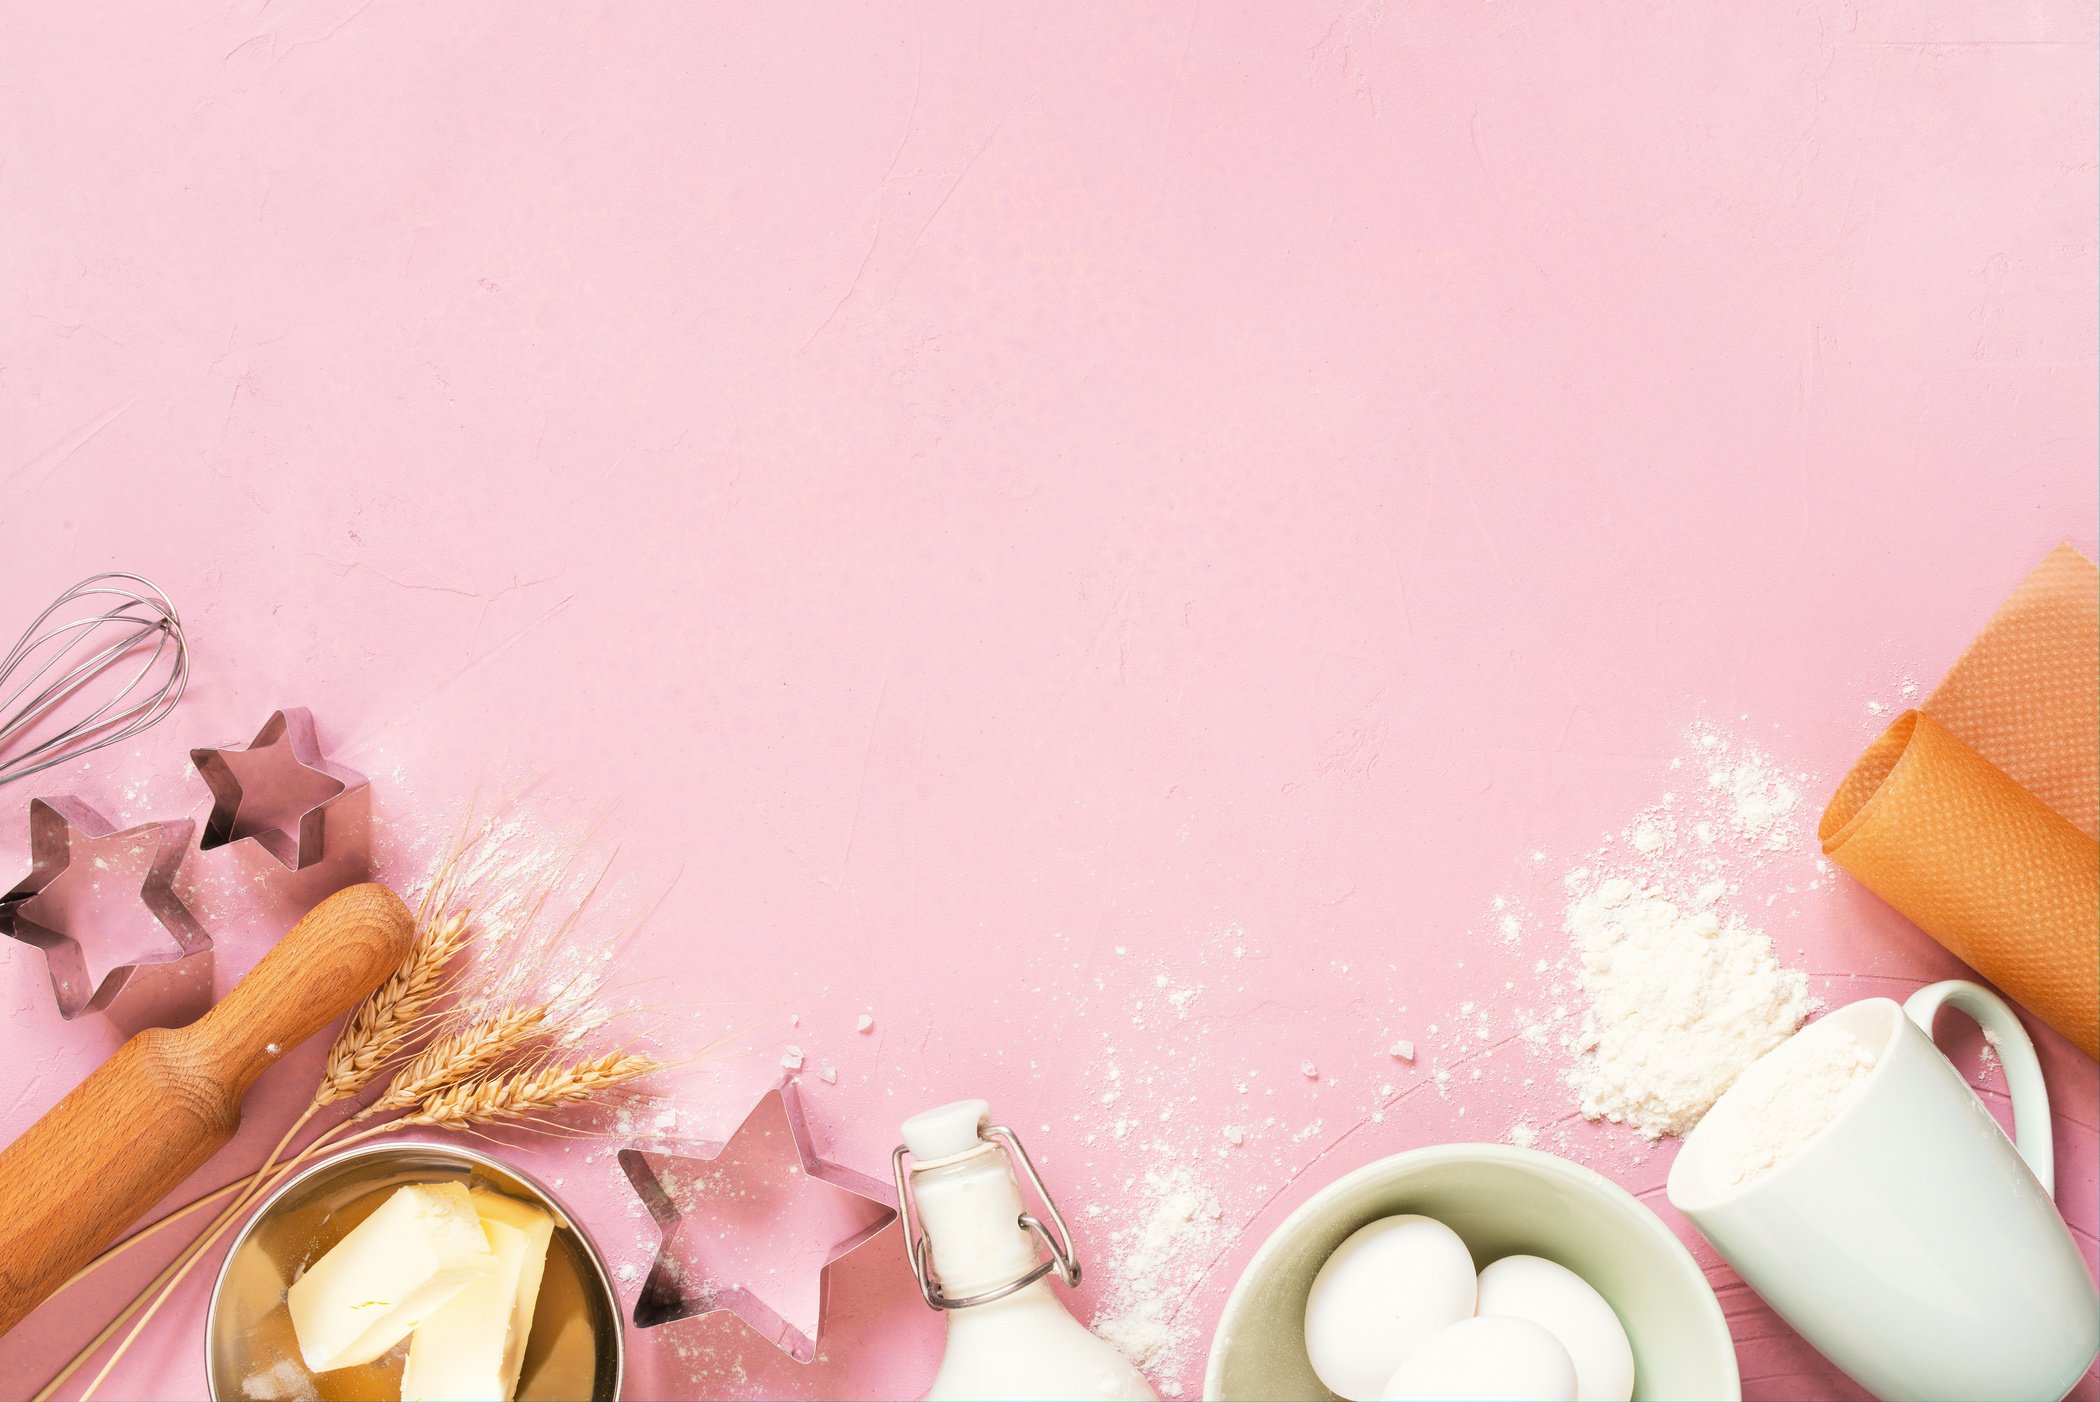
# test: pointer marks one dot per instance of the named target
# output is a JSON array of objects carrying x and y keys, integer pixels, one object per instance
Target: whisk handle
[{"x": 153, "y": 1113}]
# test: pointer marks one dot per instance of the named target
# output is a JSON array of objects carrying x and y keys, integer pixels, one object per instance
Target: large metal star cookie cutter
[
  {"x": 276, "y": 790},
  {"x": 58, "y": 854},
  {"x": 670, "y": 1293}
]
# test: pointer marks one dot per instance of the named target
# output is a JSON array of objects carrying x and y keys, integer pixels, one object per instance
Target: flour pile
[
  {"x": 1682, "y": 992},
  {"x": 1680, "y": 1001}
]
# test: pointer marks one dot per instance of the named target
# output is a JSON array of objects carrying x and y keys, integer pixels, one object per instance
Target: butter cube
[
  {"x": 395, "y": 1269},
  {"x": 472, "y": 1349}
]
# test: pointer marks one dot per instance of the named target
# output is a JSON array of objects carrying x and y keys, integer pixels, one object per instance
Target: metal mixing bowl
[{"x": 250, "y": 1285}]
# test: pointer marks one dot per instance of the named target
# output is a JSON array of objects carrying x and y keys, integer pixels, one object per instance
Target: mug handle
[{"x": 2023, "y": 1072}]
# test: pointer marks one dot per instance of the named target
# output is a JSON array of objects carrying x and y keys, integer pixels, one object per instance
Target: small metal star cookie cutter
[
  {"x": 668, "y": 1294},
  {"x": 54, "y": 823},
  {"x": 298, "y": 840}
]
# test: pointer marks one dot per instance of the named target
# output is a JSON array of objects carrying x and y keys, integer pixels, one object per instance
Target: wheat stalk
[
  {"x": 521, "y": 1097},
  {"x": 392, "y": 1015},
  {"x": 387, "y": 1022},
  {"x": 462, "y": 1055},
  {"x": 529, "y": 1094},
  {"x": 390, "y": 1018},
  {"x": 456, "y": 1079}
]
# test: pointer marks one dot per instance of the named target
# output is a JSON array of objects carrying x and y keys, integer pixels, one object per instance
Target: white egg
[
  {"x": 1384, "y": 1290},
  {"x": 1568, "y": 1307},
  {"x": 1488, "y": 1359}
]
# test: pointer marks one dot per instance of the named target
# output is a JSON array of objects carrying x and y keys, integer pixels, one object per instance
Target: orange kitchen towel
[{"x": 1976, "y": 814}]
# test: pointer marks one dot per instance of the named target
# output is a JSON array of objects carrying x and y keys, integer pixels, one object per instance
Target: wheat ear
[
  {"x": 526, "y": 1095},
  {"x": 376, "y": 1033},
  {"x": 463, "y": 1055},
  {"x": 385, "y": 1023},
  {"x": 380, "y": 1028},
  {"x": 519, "y": 1096}
]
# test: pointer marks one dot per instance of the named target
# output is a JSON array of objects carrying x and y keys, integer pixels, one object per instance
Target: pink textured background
[{"x": 972, "y": 490}]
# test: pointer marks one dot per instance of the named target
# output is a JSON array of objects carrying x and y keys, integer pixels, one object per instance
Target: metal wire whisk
[{"x": 101, "y": 625}]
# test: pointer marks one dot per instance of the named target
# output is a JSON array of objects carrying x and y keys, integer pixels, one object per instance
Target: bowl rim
[
  {"x": 1534, "y": 1160},
  {"x": 473, "y": 1158}
]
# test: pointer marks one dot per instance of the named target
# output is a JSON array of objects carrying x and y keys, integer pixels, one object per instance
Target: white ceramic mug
[{"x": 1910, "y": 1241}]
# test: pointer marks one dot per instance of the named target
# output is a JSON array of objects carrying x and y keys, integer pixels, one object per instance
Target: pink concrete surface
[{"x": 991, "y": 509}]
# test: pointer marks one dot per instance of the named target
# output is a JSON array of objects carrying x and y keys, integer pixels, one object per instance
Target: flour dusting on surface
[
  {"x": 1667, "y": 985},
  {"x": 1682, "y": 992},
  {"x": 1151, "y": 1262},
  {"x": 1757, "y": 797},
  {"x": 1157, "y": 1200},
  {"x": 1680, "y": 1001}
]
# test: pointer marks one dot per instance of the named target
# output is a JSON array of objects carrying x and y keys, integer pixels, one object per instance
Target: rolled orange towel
[{"x": 1975, "y": 815}]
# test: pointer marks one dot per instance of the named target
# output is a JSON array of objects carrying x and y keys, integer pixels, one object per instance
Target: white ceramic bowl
[
  {"x": 576, "y": 1350},
  {"x": 1502, "y": 1201}
]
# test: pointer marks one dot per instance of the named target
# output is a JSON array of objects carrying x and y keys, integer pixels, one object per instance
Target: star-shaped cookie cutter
[
  {"x": 54, "y": 823},
  {"x": 296, "y": 839},
  {"x": 669, "y": 1294}
]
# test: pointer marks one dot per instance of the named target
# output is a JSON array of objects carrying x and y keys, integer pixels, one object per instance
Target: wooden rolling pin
[{"x": 153, "y": 1113}]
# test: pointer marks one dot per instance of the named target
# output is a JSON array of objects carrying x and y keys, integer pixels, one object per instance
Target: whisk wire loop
[{"x": 84, "y": 650}]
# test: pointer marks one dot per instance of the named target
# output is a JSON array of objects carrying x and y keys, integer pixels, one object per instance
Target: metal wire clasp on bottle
[{"x": 1056, "y": 1238}]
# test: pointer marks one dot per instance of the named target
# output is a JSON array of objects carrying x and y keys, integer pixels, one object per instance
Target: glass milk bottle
[{"x": 977, "y": 1251}]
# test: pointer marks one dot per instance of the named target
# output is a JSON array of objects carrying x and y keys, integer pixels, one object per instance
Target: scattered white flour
[
  {"x": 1756, "y": 795},
  {"x": 1782, "y": 1103},
  {"x": 1162, "y": 1181},
  {"x": 1987, "y": 1054},
  {"x": 1681, "y": 991},
  {"x": 1680, "y": 1002},
  {"x": 1150, "y": 1263}
]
